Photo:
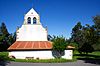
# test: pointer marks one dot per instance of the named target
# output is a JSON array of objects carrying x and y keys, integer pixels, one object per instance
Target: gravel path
[{"x": 78, "y": 63}]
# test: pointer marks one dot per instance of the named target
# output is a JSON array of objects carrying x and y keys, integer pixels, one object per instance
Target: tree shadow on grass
[{"x": 93, "y": 59}]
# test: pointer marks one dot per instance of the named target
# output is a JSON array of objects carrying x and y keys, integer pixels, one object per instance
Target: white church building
[{"x": 31, "y": 40}]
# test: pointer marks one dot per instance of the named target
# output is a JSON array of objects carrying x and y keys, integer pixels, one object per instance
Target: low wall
[
  {"x": 39, "y": 54},
  {"x": 68, "y": 54},
  {"x": 35, "y": 54}
]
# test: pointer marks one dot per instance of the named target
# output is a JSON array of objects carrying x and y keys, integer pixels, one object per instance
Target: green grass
[
  {"x": 43, "y": 60},
  {"x": 94, "y": 55}
]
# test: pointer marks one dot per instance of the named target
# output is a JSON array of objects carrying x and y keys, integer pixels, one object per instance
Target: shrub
[
  {"x": 59, "y": 45},
  {"x": 4, "y": 56}
]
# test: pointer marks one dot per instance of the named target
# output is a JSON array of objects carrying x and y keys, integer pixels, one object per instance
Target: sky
[{"x": 60, "y": 16}]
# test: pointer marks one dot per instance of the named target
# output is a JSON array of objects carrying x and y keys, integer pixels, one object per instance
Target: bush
[
  {"x": 59, "y": 45},
  {"x": 4, "y": 56}
]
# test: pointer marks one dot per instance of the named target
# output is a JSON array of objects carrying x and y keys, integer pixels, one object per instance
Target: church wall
[
  {"x": 35, "y": 54},
  {"x": 68, "y": 54},
  {"x": 31, "y": 33},
  {"x": 39, "y": 54}
]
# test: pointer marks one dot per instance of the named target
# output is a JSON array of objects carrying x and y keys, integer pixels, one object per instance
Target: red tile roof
[{"x": 30, "y": 45}]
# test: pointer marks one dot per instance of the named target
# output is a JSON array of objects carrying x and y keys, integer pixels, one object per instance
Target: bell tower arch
[{"x": 32, "y": 17}]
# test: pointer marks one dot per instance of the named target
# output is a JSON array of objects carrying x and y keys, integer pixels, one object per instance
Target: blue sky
[{"x": 59, "y": 15}]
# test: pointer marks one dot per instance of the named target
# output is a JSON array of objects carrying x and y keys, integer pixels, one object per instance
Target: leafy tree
[
  {"x": 3, "y": 29},
  {"x": 11, "y": 39},
  {"x": 77, "y": 34},
  {"x": 84, "y": 36},
  {"x": 59, "y": 45},
  {"x": 3, "y": 37},
  {"x": 88, "y": 39},
  {"x": 86, "y": 48},
  {"x": 96, "y": 20},
  {"x": 14, "y": 36},
  {"x": 6, "y": 39}
]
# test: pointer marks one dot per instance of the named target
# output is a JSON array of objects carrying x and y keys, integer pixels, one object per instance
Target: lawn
[
  {"x": 94, "y": 55},
  {"x": 44, "y": 60}
]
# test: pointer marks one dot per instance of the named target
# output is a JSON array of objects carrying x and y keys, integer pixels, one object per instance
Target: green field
[
  {"x": 44, "y": 60},
  {"x": 94, "y": 55}
]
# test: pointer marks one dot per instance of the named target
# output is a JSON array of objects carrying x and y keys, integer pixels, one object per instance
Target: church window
[
  {"x": 29, "y": 20},
  {"x": 34, "y": 20}
]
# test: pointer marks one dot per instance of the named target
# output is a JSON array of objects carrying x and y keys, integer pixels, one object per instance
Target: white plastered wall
[
  {"x": 31, "y": 33},
  {"x": 68, "y": 54},
  {"x": 35, "y": 54},
  {"x": 39, "y": 54}
]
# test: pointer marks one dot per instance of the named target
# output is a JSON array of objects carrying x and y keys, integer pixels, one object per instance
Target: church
[{"x": 31, "y": 40}]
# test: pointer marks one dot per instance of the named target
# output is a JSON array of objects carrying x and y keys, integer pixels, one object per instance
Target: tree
[
  {"x": 59, "y": 45},
  {"x": 14, "y": 36},
  {"x": 6, "y": 39},
  {"x": 3, "y": 29},
  {"x": 3, "y": 37},
  {"x": 84, "y": 36},
  {"x": 88, "y": 39},
  {"x": 11, "y": 39},
  {"x": 96, "y": 20},
  {"x": 77, "y": 34},
  {"x": 86, "y": 48}
]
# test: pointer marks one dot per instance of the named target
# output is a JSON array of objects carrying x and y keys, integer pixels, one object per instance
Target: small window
[
  {"x": 34, "y": 20},
  {"x": 29, "y": 20}
]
